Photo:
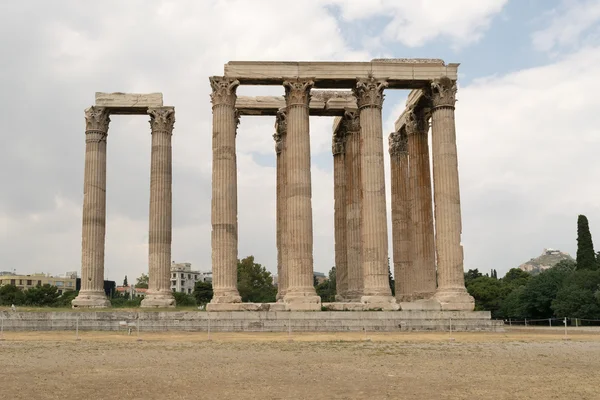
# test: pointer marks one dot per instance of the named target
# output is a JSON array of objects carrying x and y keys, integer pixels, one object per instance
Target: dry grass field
[{"x": 537, "y": 364}]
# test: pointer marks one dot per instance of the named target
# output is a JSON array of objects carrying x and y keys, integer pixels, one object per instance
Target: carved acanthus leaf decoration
[
  {"x": 96, "y": 119},
  {"x": 398, "y": 143},
  {"x": 223, "y": 90},
  {"x": 338, "y": 142},
  {"x": 280, "y": 129},
  {"x": 162, "y": 119},
  {"x": 297, "y": 91},
  {"x": 443, "y": 92},
  {"x": 416, "y": 121},
  {"x": 351, "y": 122},
  {"x": 369, "y": 91}
]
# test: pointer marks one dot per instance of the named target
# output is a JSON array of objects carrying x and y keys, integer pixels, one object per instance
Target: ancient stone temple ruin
[
  {"x": 428, "y": 267},
  {"x": 427, "y": 251}
]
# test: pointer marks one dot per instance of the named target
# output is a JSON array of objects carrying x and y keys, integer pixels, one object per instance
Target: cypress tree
[{"x": 586, "y": 257}]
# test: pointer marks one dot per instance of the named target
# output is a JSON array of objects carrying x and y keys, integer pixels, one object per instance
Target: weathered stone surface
[
  {"x": 162, "y": 120},
  {"x": 249, "y": 321},
  {"x": 421, "y": 305},
  {"x": 300, "y": 294},
  {"x": 93, "y": 232},
  {"x": 325, "y": 74},
  {"x": 224, "y": 237},
  {"x": 128, "y": 103},
  {"x": 451, "y": 292}
]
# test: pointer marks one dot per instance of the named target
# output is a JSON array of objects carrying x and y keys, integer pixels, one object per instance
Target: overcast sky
[{"x": 527, "y": 118}]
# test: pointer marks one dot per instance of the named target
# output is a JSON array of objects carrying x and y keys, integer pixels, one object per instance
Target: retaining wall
[{"x": 252, "y": 321}]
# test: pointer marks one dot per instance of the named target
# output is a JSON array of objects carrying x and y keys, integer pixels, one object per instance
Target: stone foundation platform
[{"x": 253, "y": 321}]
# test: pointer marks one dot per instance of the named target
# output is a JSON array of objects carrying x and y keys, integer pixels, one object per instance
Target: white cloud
[
  {"x": 414, "y": 23},
  {"x": 527, "y": 145},
  {"x": 571, "y": 24}
]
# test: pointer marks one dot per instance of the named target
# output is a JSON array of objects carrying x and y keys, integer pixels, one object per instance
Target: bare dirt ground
[{"x": 534, "y": 364}]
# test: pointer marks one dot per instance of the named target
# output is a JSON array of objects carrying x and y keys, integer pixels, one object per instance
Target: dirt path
[{"x": 313, "y": 366}]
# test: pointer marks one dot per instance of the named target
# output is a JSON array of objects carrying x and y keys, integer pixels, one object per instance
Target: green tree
[
  {"x": 577, "y": 296},
  {"x": 125, "y": 281},
  {"x": 203, "y": 292},
  {"x": 536, "y": 299},
  {"x": 142, "y": 282},
  {"x": 586, "y": 257},
  {"x": 42, "y": 296},
  {"x": 255, "y": 283},
  {"x": 10, "y": 294},
  {"x": 487, "y": 293},
  {"x": 184, "y": 299},
  {"x": 516, "y": 277},
  {"x": 472, "y": 274},
  {"x": 327, "y": 289},
  {"x": 65, "y": 299}
]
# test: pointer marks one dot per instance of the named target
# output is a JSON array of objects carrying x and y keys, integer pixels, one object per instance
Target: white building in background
[{"x": 183, "y": 279}]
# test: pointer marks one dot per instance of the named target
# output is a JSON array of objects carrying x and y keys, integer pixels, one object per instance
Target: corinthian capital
[
  {"x": 416, "y": 121},
  {"x": 280, "y": 130},
  {"x": 297, "y": 91},
  {"x": 96, "y": 119},
  {"x": 223, "y": 90},
  {"x": 398, "y": 143},
  {"x": 369, "y": 91},
  {"x": 351, "y": 122},
  {"x": 162, "y": 119},
  {"x": 338, "y": 142},
  {"x": 443, "y": 92}
]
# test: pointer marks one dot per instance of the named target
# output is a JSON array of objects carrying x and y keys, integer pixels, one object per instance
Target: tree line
[{"x": 569, "y": 289}]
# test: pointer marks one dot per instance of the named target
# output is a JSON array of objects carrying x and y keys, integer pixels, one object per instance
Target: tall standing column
[
  {"x": 280, "y": 150},
  {"x": 402, "y": 226},
  {"x": 351, "y": 123},
  {"x": 339, "y": 200},
  {"x": 162, "y": 120},
  {"x": 224, "y": 193},
  {"x": 451, "y": 292},
  {"x": 377, "y": 293},
  {"x": 93, "y": 231},
  {"x": 424, "y": 275},
  {"x": 301, "y": 294}
]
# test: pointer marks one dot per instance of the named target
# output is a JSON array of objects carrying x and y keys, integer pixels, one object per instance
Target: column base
[
  {"x": 302, "y": 301},
  {"x": 226, "y": 298},
  {"x": 455, "y": 300},
  {"x": 383, "y": 303},
  {"x": 91, "y": 300},
  {"x": 158, "y": 300}
]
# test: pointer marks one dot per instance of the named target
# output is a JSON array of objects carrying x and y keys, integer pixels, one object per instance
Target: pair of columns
[
  {"x": 159, "y": 293},
  {"x": 415, "y": 246},
  {"x": 361, "y": 244},
  {"x": 294, "y": 205}
]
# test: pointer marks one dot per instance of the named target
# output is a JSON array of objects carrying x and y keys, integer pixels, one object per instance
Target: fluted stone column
[
  {"x": 280, "y": 139},
  {"x": 377, "y": 293},
  {"x": 159, "y": 292},
  {"x": 224, "y": 194},
  {"x": 424, "y": 274},
  {"x": 451, "y": 292},
  {"x": 94, "y": 211},
  {"x": 301, "y": 294},
  {"x": 351, "y": 123},
  {"x": 339, "y": 200},
  {"x": 402, "y": 226}
]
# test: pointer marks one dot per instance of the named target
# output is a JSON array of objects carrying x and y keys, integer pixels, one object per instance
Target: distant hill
[{"x": 548, "y": 259}]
